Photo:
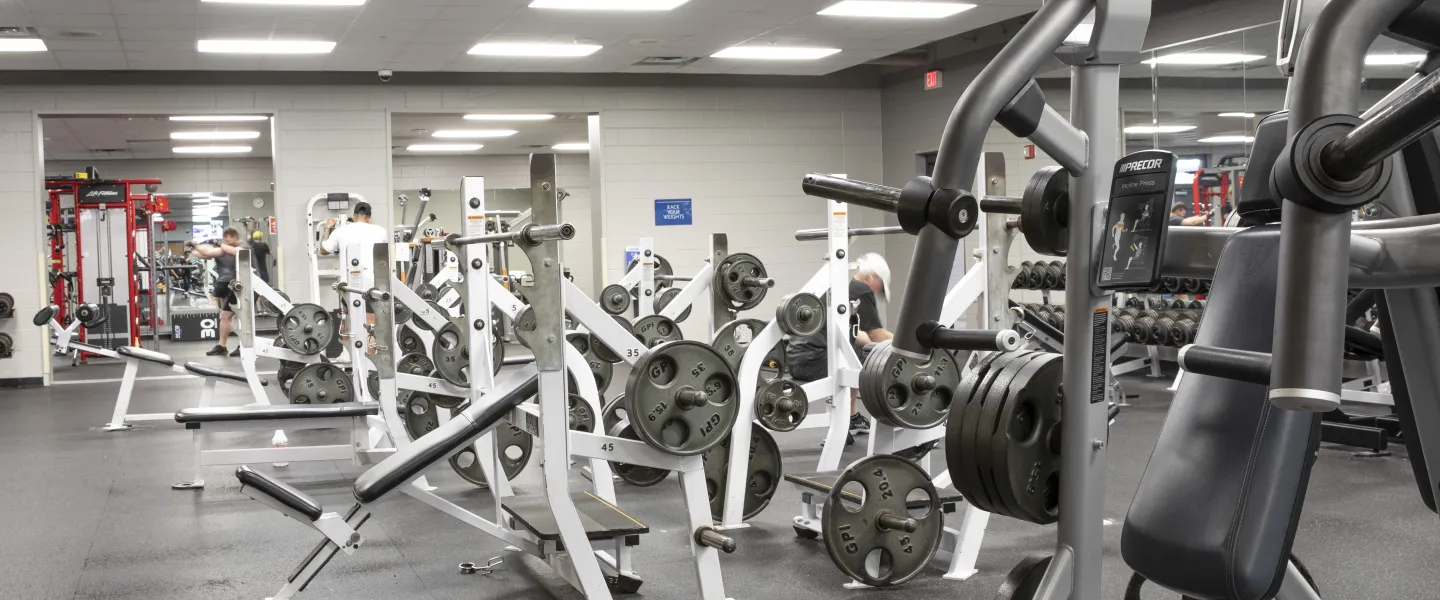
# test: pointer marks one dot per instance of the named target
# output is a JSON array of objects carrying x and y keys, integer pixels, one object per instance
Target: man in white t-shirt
[{"x": 358, "y": 231}]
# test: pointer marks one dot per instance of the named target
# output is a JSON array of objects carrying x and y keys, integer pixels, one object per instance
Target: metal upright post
[
  {"x": 837, "y": 327},
  {"x": 719, "y": 314},
  {"x": 645, "y": 292}
]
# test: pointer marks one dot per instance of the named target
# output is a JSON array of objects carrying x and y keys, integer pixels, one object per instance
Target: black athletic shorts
[{"x": 226, "y": 296}]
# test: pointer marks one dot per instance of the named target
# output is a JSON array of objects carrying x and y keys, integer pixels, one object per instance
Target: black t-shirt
[
  {"x": 864, "y": 316},
  {"x": 260, "y": 258},
  {"x": 225, "y": 268},
  {"x": 1174, "y": 220}
]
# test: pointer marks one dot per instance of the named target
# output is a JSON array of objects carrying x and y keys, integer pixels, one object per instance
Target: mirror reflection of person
[
  {"x": 1177, "y": 216},
  {"x": 260, "y": 255},
  {"x": 224, "y": 256},
  {"x": 358, "y": 231}
]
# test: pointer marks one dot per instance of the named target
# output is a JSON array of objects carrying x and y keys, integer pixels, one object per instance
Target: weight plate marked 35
[
  {"x": 682, "y": 398},
  {"x": 781, "y": 405},
  {"x": 800, "y": 314},
  {"x": 307, "y": 328},
  {"x": 321, "y": 383},
  {"x": 451, "y": 350}
]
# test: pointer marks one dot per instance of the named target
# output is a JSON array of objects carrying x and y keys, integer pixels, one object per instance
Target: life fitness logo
[
  {"x": 99, "y": 193},
  {"x": 1141, "y": 165}
]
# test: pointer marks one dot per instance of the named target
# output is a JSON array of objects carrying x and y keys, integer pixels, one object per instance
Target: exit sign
[{"x": 934, "y": 79}]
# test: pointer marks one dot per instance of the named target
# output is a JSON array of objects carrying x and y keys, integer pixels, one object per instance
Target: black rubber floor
[{"x": 89, "y": 514}]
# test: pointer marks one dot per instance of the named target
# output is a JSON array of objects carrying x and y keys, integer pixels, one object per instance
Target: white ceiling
[
  {"x": 434, "y": 35},
  {"x": 532, "y": 136},
  {"x": 82, "y": 138}
]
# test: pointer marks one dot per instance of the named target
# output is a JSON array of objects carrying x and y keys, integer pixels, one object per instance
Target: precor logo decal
[{"x": 1141, "y": 165}]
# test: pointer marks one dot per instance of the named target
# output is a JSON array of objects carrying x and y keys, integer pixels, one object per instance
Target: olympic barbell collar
[{"x": 1300, "y": 175}]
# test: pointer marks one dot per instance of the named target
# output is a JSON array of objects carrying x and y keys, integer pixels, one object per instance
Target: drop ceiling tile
[
  {"x": 72, "y": 21},
  {"x": 176, "y": 47},
  {"x": 156, "y": 21},
  {"x": 89, "y": 60},
  {"x": 233, "y": 22},
  {"x": 68, "y": 7},
  {"x": 157, "y": 35},
  {"x": 155, "y": 7},
  {"x": 83, "y": 45}
]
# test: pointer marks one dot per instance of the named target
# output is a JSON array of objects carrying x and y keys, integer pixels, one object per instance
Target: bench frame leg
[
  {"x": 122, "y": 400},
  {"x": 325, "y": 550},
  {"x": 207, "y": 396}
]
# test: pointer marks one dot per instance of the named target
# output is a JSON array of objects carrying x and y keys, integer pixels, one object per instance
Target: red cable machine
[{"x": 89, "y": 193}]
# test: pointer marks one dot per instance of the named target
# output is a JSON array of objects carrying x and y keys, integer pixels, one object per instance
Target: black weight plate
[
  {"x": 604, "y": 352},
  {"x": 733, "y": 339},
  {"x": 1042, "y": 202},
  {"x": 961, "y": 468},
  {"x": 994, "y": 441},
  {"x": 409, "y": 341},
  {"x": 372, "y": 385},
  {"x": 415, "y": 364},
  {"x": 613, "y": 413},
  {"x": 780, "y": 405},
  {"x": 402, "y": 313},
  {"x": 427, "y": 291},
  {"x": 986, "y": 431},
  {"x": 800, "y": 314},
  {"x": 664, "y": 300},
  {"x": 1023, "y": 581},
  {"x": 1030, "y": 418},
  {"x": 917, "y": 452},
  {"x": 602, "y": 371},
  {"x": 418, "y": 413},
  {"x": 582, "y": 417},
  {"x": 615, "y": 299},
  {"x": 960, "y": 446},
  {"x": 307, "y": 328},
  {"x": 731, "y": 281},
  {"x": 451, "y": 352},
  {"x": 852, "y": 533},
  {"x": 512, "y": 444},
  {"x": 655, "y": 330},
  {"x": 636, "y": 475},
  {"x": 660, "y": 419},
  {"x": 762, "y": 477},
  {"x": 901, "y": 403},
  {"x": 321, "y": 383}
]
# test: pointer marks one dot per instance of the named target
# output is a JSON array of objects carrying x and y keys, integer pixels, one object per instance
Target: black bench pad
[
  {"x": 146, "y": 355},
  {"x": 43, "y": 316},
  {"x": 282, "y": 492},
  {"x": 602, "y": 520},
  {"x": 824, "y": 481},
  {"x": 262, "y": 412},
  {"x": 1216, "y": 510},
  {"x": 407, "y": 463},
  {"x": 208, "y": 371}
]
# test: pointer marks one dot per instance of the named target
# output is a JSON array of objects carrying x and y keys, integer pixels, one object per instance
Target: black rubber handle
[
  {"x": 935, "y": 335},
  {"x": 1240, "y": 365}
]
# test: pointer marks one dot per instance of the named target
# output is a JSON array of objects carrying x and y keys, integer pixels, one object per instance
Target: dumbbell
[
  {"x": 1189, "y": 285},
  {"x": 1140, "y": 333},
  {"x": 1054, "y": 274},
  {"x": 1196, "y": 305},
  {"x": 1134, "y": 302},
  {"x": 1037, "y": 275},
  {"x": 1056, "y": 317},
  {"x": 1177, "y": 303},
  {"x": 1182, "y": 332},
  {"x": 1171, "y": 285},
  {"x": 1204, "y": 286},
  {"x": 1122, "y": 324},
  {"x": 1022, "y": 276},
  {"x": 1160, "y": 331}
]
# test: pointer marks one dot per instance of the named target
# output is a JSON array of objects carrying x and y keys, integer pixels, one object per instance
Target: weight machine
[{"x": 338, "y": 203}]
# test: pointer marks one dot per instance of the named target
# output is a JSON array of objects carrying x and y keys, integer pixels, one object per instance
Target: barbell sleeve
[
  {"x": 1008, "y": 205},
  {"x": 807, "y": 235},
  {"x": 935, "y": 335},
  {"x": 850, "y": 191},
  {"x": 707, "y": 536},
  {"x": 1239, "y": 365}
]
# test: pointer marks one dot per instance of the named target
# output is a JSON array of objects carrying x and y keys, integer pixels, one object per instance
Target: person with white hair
[{"x": 806, "y": 356}]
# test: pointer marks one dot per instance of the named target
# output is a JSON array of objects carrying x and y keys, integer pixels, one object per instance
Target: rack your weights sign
[{"x": 1137, "y": 220}]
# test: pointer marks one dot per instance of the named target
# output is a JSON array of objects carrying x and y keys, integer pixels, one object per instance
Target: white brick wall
[
  {"x": 331, "y": 139},
  {"x": 22, "y": 273}
]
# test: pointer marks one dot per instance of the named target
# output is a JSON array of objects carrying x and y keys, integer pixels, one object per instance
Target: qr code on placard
[{"x": 1105, "y": 274}]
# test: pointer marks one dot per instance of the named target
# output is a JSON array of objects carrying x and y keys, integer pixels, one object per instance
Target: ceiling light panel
[
  {"x": 1204, "y": 59},
  {"x": 1237, "y": 115},
  {"x": 1150, "y": 129},
  {"x": 472, "y": 134},
  {"x": 211, "y": 149},
  {"x": 291, "y": 2},
  {"x": 219, "y": 118},
  {"x": 895, "y": 10},
  {"x": 1390, "y": 60},
  {"x": 1227, "y": 139},
  {"x": 571, "y": 146},
  {"x": 444, "y": 147},
  {"x": 265, "y": 46},
  {"x": 535, "y": 49},
  {"x": 634, "y": 5},
  {"x": 214, "y": 135},
  {"x": 774, "y": 52},
  {"x": 509, "y": 117},
  {"x": 22, "y": 45}
]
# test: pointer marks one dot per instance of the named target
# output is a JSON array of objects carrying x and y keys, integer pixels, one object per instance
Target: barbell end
[
  {"x": 891, "y": 522},
  {"x": 707, "y": 536}
]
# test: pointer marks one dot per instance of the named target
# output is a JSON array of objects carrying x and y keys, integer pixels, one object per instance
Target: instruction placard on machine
[{"x": 1137, "y": 220}]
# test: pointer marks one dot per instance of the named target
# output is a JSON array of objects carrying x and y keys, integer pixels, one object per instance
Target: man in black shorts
[
  {"x": 224, "y": 256},
  {"x": 807, "y": 356}
]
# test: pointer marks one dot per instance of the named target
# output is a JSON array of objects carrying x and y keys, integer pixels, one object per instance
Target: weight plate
[
  {"x": 762, "y": 475},
  {"x": 960, "y": 427},
  {"x": 409, "y": 341},
  {"x": 615, "y": 299},
  {"x": 915, "y": 453},
  {"x": 736, "y": 281},
  {"x": 582, "y": 418},
  {"x": 513, "y": 446},
  {"x": 781, "y": 405},
  {"x": 604, "y": 352},
  {"x": 681, "y": 397},
  {"x": 1043, "y": 207},
  {"x": 897, "y": 495},
  {"x": 662, "y": 267},
  {"x": 1030, "y": 423},
  {"x": 307, "y": 329},
  {"x": 1023, "y": 581},
  {"x": 321, "y": 383},
  {"x": 436, "y": 309},
  {"x": 613, "y": 413},
  {"x": 906, "y": 392},
  {"x": 636, "y": 475},
  {"x": 286, "y": 373},
  {"x": 664, "y": 300},
  {"x": 418, "y": 414},
  {"x": 800, "y": 314},
  {"x": 991, "y": 430},
  {"x": 265, "y": 305},
  {"x": 734, "y": 339},
  {"x": 655, "y": 330},
  {"x": 602, "y": 377},
  {"x": 415, "y": 364},
  {"x": 427, "y": 291},
  {"x": 372, "y": 384},
  {"x": 451, "y": 350},
  {"x": 402, "y": 313},
  {"x": 601, "y": 370}
]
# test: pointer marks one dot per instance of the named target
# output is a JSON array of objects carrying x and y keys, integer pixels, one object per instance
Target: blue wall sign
[{"x": 673, "y": 211}]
